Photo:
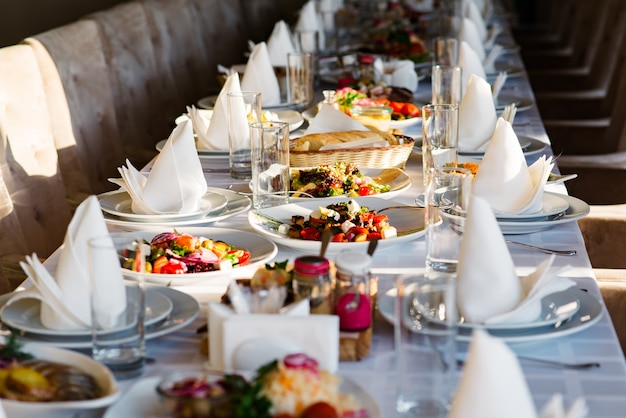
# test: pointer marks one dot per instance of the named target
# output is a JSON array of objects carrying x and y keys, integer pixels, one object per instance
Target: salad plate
[
  {"x": 310, "y": 113},
  {"x": 409, "y": 224},
  {"x": 261, "y": 251},
  {"x": 24, "y": 315},
  {"x": 236, "y": 203},
  {"x": 142, "y": 400},
  {"x": 397, "y": 179},
  {"x": 184, "y": 311},
  {"x": 584, "y": 311},
  {"x": 118, "y": 203}
]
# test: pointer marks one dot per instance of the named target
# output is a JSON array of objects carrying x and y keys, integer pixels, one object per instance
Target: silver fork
[{"x": 553, "y": 363}]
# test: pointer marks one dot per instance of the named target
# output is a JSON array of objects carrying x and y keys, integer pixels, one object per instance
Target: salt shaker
[{"x": 352, "y": 291}]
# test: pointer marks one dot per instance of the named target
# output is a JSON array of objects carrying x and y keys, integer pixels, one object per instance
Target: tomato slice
[
  {"x": 411, "y": 110},
  {"x": 366, "y": 191},
  {"x": 310, "y": 233},
  {"x": 396, "y": 106},
  {"x": 374, "y": 235},
  {"x": 174, "y": 267},
  {"x": 340, "y": 237}
]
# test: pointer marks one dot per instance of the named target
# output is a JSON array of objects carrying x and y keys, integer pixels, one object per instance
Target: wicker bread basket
[{"x": 375, "y": 157}]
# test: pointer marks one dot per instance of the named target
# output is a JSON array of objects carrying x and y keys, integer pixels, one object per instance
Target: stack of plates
[
  {"x": 217, "y": 204},
  {"x": 167, "y": 310}
]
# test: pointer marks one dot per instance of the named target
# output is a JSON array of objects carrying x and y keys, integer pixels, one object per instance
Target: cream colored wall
[{"x": 22, "y": 18}]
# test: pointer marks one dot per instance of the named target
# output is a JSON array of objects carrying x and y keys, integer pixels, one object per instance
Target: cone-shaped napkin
[
  {"x": 470, "y": 64},
  {"x": 279, "y": 44},
  {"x": 488, "y": 289},
  {"x": 469, "y": 34},
  {"x": 556, "y": 409},
  {"x": 65, "y": 300},
  {"x": 216, "y": 137},
  {"x": 477, "y": 116},
  {"x": 492, "y": 384},
  {"x": 398, "y": 73},
  {"x": 177, "y": 170},
  {"x": 310, "y": 20},
  {"x": 260, "y": 76},
  {"x": 505, "y": 181},
  {"x": 329, "y": 119},
  {"x": 487, "y": 283},
  {"x": 473, "y": 13}
]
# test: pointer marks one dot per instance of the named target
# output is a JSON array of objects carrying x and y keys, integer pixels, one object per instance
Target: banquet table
[{"x": 603, "y": 388}]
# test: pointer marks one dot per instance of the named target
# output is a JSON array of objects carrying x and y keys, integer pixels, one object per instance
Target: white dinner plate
[
  {"x": 64, "y": 409},
  {"x": 142, "y": 400},
  {"x": 529, "y": 145},
  {"x": 309, "y": 115},
  {"x": 185, "y": 310},
  {"x": 292, "y": 117},
  {"x": 552, "y": 204},
  {"x": 577, "y": 209},
  {"x": 203, "y": 154},
  {"x": 409, "y": 224},
  {"x": 399, "y": 183},
  {"x": 520, "y": 104},
  {"x": 209, "y": 102},
  {"x": 589, "y": 312},
  {"x": 118, "y": 203},
  {"x": 24, "y": 315},
  {"x": 261, "y": 250},
  {"x": 236, "y": 203},
  {"x": 555, "y": 309}
]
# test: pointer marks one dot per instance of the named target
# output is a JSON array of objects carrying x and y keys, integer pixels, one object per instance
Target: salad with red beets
[{"x": 174, "y": 253}]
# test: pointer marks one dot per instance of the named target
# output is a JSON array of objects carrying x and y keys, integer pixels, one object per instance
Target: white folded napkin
[
  {"x": 488, "y": 289},
  {"x": 470, "y": 64},
  {"x": 232, "y": 335},
  {"x": 279, "y": 44},
  {"x": 469, "y": 34},
  {"x": 487, "y": 283},
  {"x": 493, "y": 385},
  {"x": 216, "y": 137},
  {"x": 398, "y": 73},
  {"x": 329, "y": 119},
  {"x": 472, "y": 12},
  {"x": 65, "y": 300},
  {"x": 477, "y": 115},
  {"x": 504, "y": 179},
  {"x": 310, "y": 20},
  {"x": 177, "y": 170},
  {"x": 260, "y": 76},
  {"x": 497, "y": 85}
]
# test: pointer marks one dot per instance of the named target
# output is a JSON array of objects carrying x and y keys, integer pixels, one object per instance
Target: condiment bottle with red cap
[
  {"x": 311, "y": 279},
  {"x": 353, "y": 302}
]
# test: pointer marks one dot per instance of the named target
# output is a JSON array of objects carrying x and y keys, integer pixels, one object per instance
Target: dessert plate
[
  {"x": 552, "y": 204},
  {"x": 118, "y": 203},
  {"x": 24, "y": 315},
  {"x": 529, "y": 145}
]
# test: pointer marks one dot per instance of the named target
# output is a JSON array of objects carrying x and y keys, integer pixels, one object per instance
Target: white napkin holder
[{"x": 232, "y": 337}]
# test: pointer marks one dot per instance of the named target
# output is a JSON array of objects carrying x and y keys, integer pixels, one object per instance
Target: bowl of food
[{"x": 39, "y": 380}]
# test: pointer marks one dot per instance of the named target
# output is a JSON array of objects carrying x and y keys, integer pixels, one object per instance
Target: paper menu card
[{"x": 232, "y": 336}]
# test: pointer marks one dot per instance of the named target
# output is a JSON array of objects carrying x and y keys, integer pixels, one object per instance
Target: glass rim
[
  {"x": 278, "y": 125},
  {"x": 441, "y": 106}
]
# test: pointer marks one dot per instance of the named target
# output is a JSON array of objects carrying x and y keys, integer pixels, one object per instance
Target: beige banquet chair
[{"x": 32, "y": 189}]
